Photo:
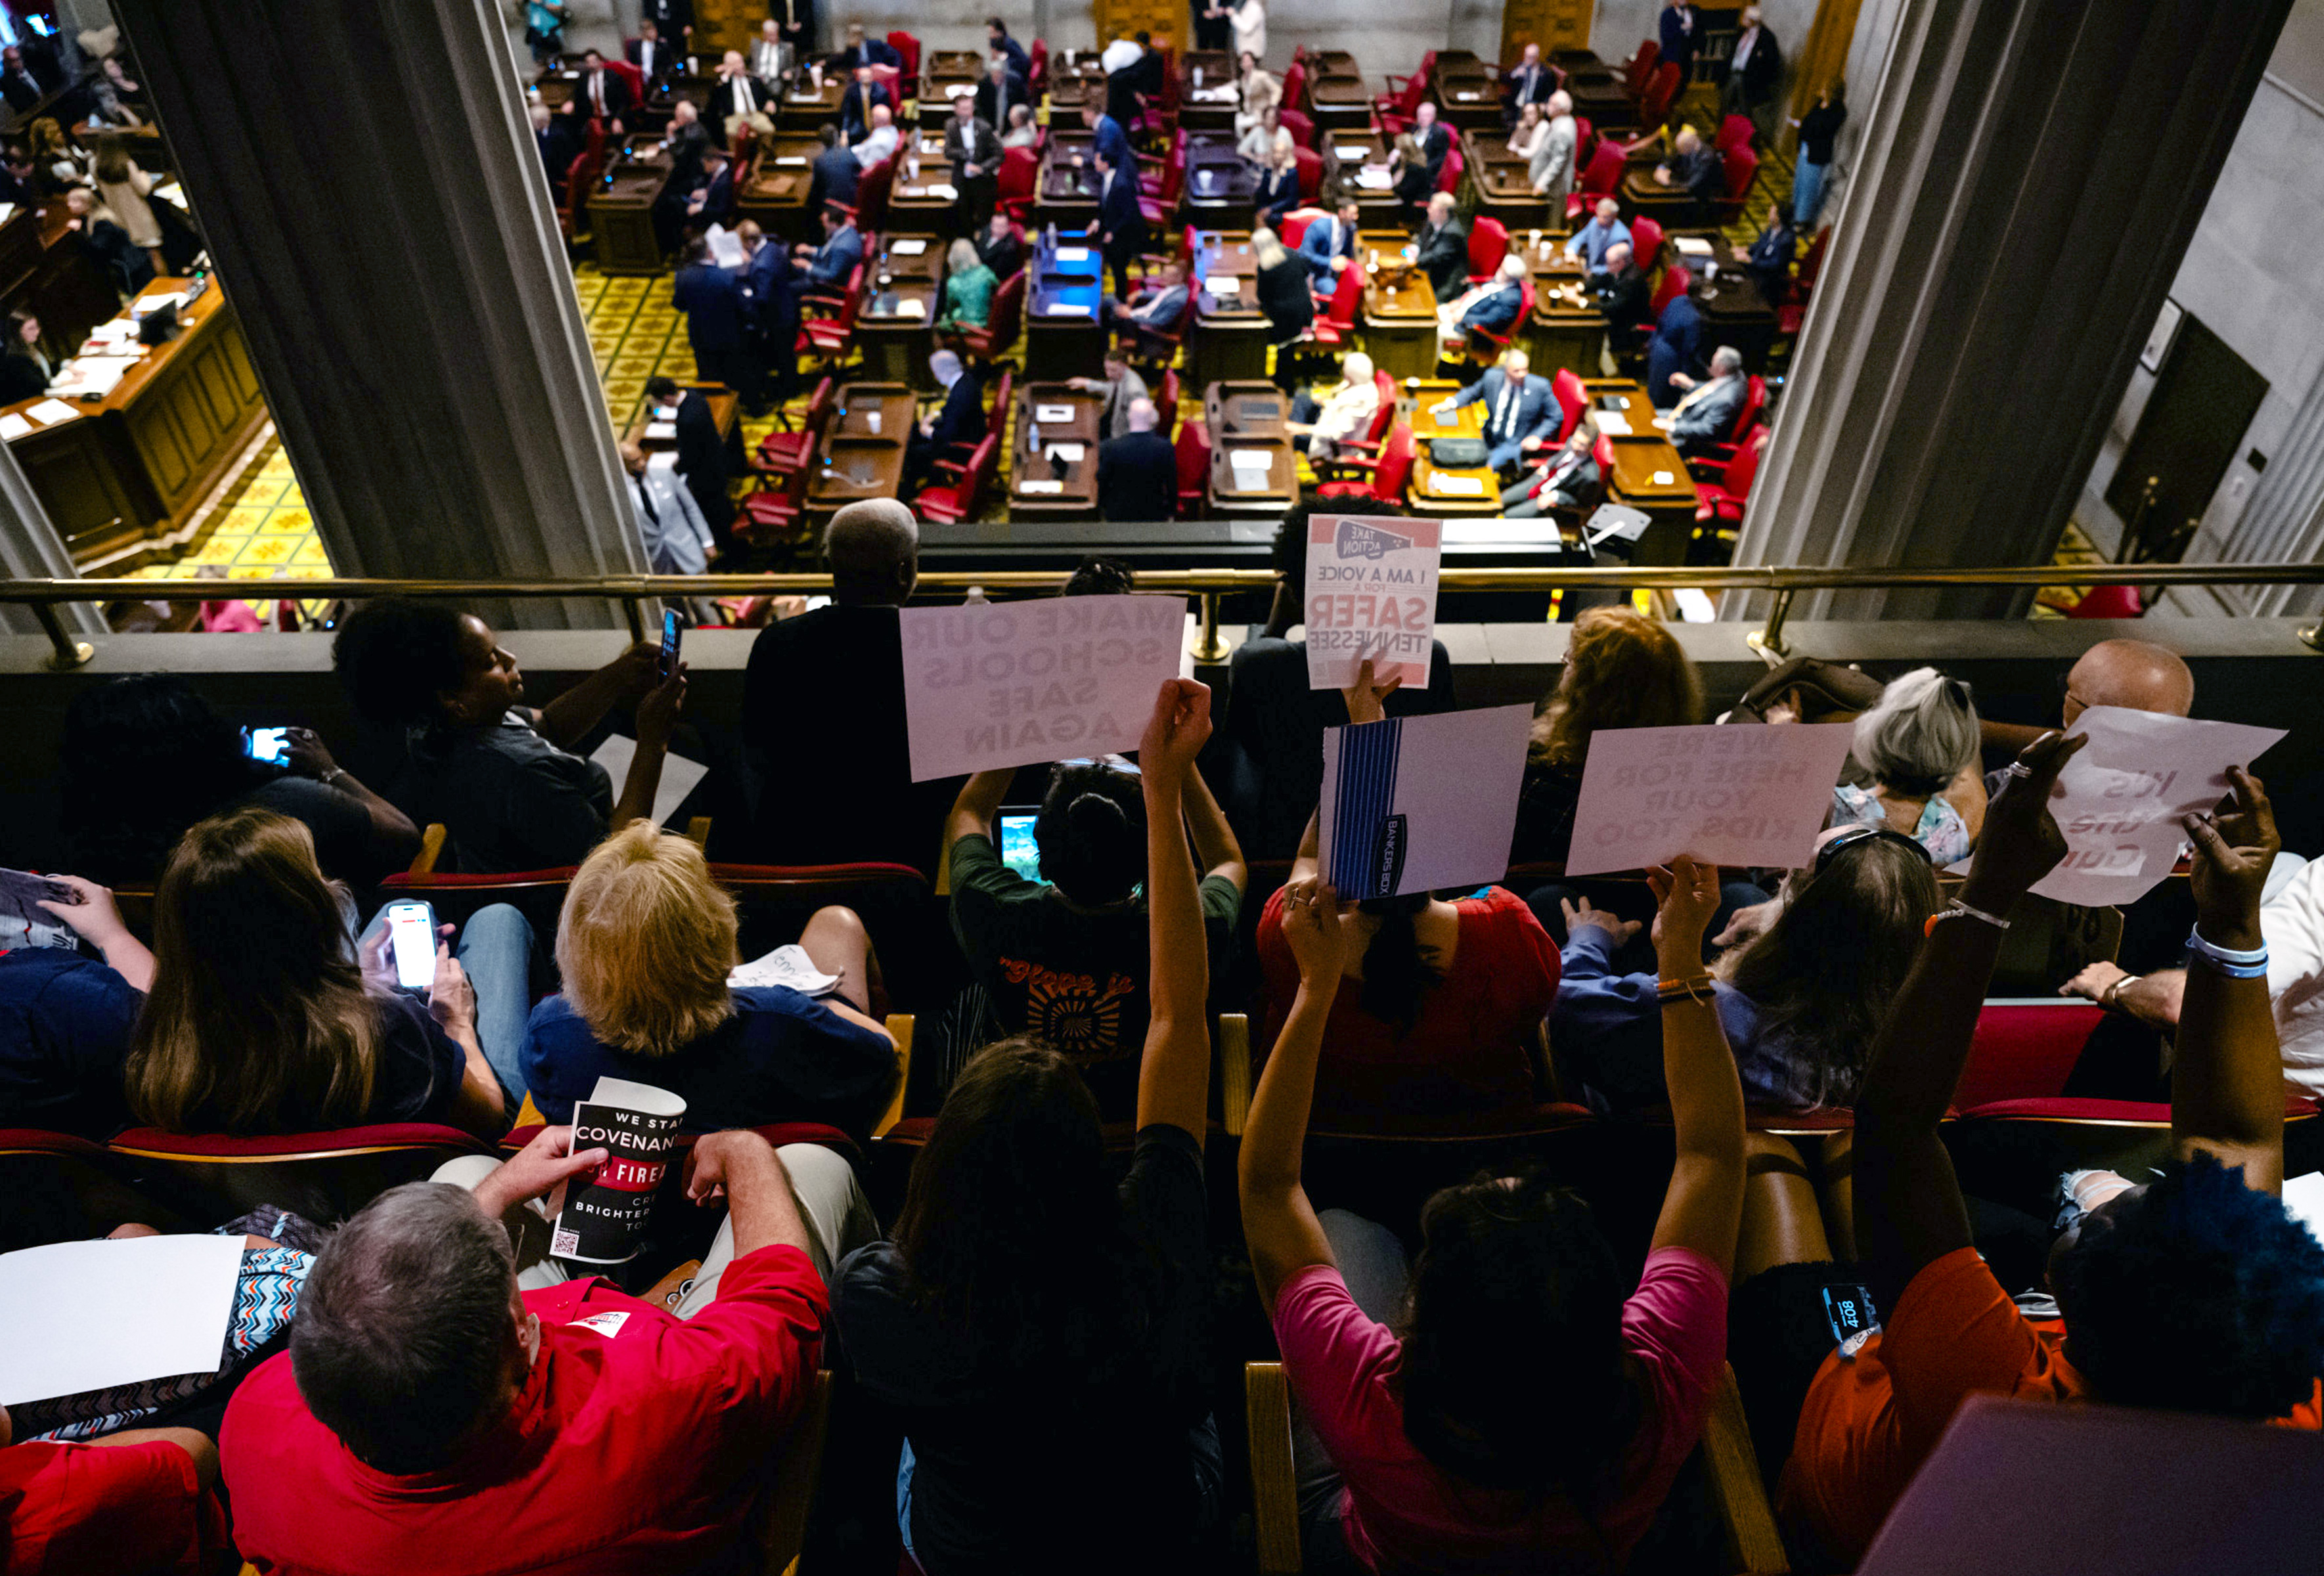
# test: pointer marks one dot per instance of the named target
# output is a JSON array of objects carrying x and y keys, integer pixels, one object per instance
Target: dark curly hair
[
  {"x": 397, "y": 655},
  {"x": 1291, "y": 536},
  {"x": 1513, "y": 1373},
  {"x": 1098, "y": 576},
  {"x": 2196, "y": 1294},
  {"x": 143, "y": 757},
  {"x": 1092, "y": 834}
]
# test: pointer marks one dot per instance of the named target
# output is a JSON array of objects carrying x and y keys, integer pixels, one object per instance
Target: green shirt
[
  {"x": 968, "y": 297},
  {"x": 1076, "y": 978}
]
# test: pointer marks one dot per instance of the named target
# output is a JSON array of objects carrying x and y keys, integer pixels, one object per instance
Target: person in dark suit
[
  {"x": 1000, "y": 248},
  {"x": 770, "y": 309},
  {"x": 1675, "y": 347},
  {"x": 1278, "y": 186},
  {"x": 1137, "y": 471},
  {"x": 1435, "y": 142},
  {"x": 712, "y": 302},
  {"x": 1111, "y": 140},
  {"x": 741, "y": 99},
  {"x": 1619, "y": 288},
  {"x": 1121, "y": 97},
  {"x": 1329, "y": 246},
  {"x": 1444, "y": 253},
  {"x": 1706, "y": 413},
  {"x": 1149, "y": 71},
  {"x": 836, "y": 173},
  {"x": 1529, "y": 82},
  {"x": 1753, "y": 73},
  {"x": 1001, "y": 89},
  {"x": 712, "y": 201},
  {"x": 654, "y": 56},
  {"x": 828, "y": 266},
  {"x": 687, "y": 141},
  {"x": 997, "y": 41},
  {"x": 1521, "y": 413},
  {"x": 1695, "y": 165},
  {"x": 975, "y": 152},
  {"x": 1769, "y": 260},
  {"x": 1283, "y": 292},
  {"x": 1570, "y": 480},
  {"x": 855, "y": 106},
  {"x": 605, "y": 90},
  {"x": 17, "y": 83},
  {"x": 703, "y": 462},
  {"x": 557, "y": 137},
  {"x": 1120, "y": 223},
  {"x": 1677, "y": 29},
  {"x": 958, "y": 425},
  {"x": 673, "y": 19},
  {"x": 859, "y": 51},
  {"x": 1213, "y": 31}
]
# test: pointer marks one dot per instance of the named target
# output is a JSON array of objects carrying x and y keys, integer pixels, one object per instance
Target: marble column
[
  {"x": 31, "y": 549},
  {"x": 374, "y": 200},
  {"x": 2029, "y": 174}
]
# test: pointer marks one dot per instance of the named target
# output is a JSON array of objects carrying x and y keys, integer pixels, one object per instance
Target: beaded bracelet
[
  {"x": 2228, "y": 961},
  {"x": 1957, "y": 909},
  {"x": 1690, "y": 989}
]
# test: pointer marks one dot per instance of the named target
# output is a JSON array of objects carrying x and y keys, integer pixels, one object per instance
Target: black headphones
[{"x": 1857, "y": 835}]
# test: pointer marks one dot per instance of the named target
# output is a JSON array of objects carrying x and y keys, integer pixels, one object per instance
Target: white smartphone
[{"x": 412, "y": 932}]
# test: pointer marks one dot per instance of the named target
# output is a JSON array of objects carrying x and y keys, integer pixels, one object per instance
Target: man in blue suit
[
  {"x": 1676, "y": 345},
  {"x": 1120, "y": 223},
  {"x": 1492, "y": 305},
  {"x": 959, "y": 424},
  {"x": 1521, "y": 411},
  {"x": 836, "y": 173},
  {"x": 772, "y": 306},
  {"x": 998, "y": 43},
  {"x": 1329, "y": 244},
  {"x": 1679, "y": 29},
  {"x": 829, "y": 264},
  {"x": 1110, "y": 139},
  {"x": 712, "y": 299},
  {"x": 864, "y": 52}
]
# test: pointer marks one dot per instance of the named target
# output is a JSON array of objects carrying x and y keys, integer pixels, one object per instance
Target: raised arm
[
  {"x": 1278, "y": 1224},
  {"x": 1909, "y": 1211},
  {"x": 979, "y": 803},
  {"x": 657, "y": 715},
  {"x": 1174, "y": 1080},
  {"x": 565, "y": 719},
  {"x": 1703, "y": 1209},
  {"x": 2226, "y": 1082},
  {"x": 1214, "y": 841}
]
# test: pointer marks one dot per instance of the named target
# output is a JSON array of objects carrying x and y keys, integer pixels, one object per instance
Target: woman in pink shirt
[{"x": 1525, "y": 1410}]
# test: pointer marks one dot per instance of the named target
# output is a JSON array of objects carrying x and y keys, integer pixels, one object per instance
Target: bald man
[
  {"x": 1136, "y": 469},
  {"x": 824, "y": 738},
  {"x": 2136, "y": 673}
]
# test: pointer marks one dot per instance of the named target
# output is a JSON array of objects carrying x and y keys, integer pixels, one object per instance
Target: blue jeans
[
  {"x": 495, "y": 949},
  {"x": 1807, "y": 196}
]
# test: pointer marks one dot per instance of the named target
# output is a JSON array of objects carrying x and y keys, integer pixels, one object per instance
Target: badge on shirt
[{"x": 607, "y": 1324}]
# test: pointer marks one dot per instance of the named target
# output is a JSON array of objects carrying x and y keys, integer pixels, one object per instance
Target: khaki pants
[{"x": 756, "y": 120}]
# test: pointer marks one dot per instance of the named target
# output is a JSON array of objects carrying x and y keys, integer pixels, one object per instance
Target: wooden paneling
[
  {"x": 731, "y": 24},
  {"x": 1166, "y": 20},
  {"x": 1553, "y": 25},
  {"x": 1821, "y": 60}
]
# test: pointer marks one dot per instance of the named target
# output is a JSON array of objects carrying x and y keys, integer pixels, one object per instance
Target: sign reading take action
[
  {"x": 1371, "y": 591},
  {"x": 1739, "y": 795},
  {"x": 989, "y": 684}
]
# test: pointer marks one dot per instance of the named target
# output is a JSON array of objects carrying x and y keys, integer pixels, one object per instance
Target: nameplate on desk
[
  {"x": 1468, "y": 97},
  {"x": 1663, "y": 478},
  {"x": 661, "y": 431},
  {"x": 807, "y": 98},
  {"x": 1613, "y": 425},
  {"x": 1456, "y": 486},
  {"x": 908, "y": 248},
  {"x": 961, "y": 90},
  {"x": 1691, "y": 246},
  {"x": 1223, "y": 286},
  {"x": 1373, "y": 179},
  {"x": 1041, "y": 487},
  {"x": 799, "y": 159},
  {"x": 1073, "y": 254},
  {"x": 1350, "y": 150},
  {"x": 909, "y": 306},
  {"x": 1070, "y": 453},
  {"x": 1069, "y": 310},
  {"x": 1053, "y": 412}
]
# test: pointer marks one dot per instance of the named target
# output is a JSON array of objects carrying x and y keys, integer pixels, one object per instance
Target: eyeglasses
[{"x": 1856, "y": 835}]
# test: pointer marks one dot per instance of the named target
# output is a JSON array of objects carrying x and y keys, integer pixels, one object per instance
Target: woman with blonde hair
[
  {"x": 968, "y": 289},
  {"x": 645, "y": 944},
  {"x": 260, "y": 1021},
  {"x": 1282, "y": 291}
]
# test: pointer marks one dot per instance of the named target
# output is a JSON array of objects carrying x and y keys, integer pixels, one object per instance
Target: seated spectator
[
  {"x": 1622, "y": 670},
  {"x": 1441, "y": 1005},
  {"x": 1042, "y": 1334},
  {"x": 260, "y": 1021},
  {"x": 1920, "y": 747},
  {"x": 1706, "y": 413},
  {"x": 1769, "y": 261},
  {"x": 66, "y": 1019},
  {"x": 1021, "y": 133},
  {"x": 1062, "y": 960},
  {"x": 2196, "y": 1291},
  {"x": 968, "y": 289},
  {"x": 1697, "y": 167},
  {"x": 832, "y": 680},
  {"x": 1422, "y": 1389},
  {"x": 1273, "y": 736},
  {"x": 1800, "y": 1001},
  {"x": 1323, "y": 418},
  {"x": 644, "y": 945},
  {"x": 144, "y": 757},
  {"x": 497, "y": 774},
  {"x": 436, "y": 1412},
  {"x": 124, "y": 1504},
  {"x": 1283, "y": 292}
]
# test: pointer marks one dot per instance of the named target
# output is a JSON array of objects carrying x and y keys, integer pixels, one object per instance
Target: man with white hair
[
  {"x": 957, "y": 427},
  {"x": 1705, "y": 414},
  {"x": 1604, "y": 229},
  {"x": 1754, "y": 77},
  {"x": 1527, "y": 82},
  {"x": 1137, "y": 470},
  {"x": 880, "y": 142},
  {"x": 1319, "y": 426},
  {"x": 1521, "y": 412},
  {"x": 1492, "y": 305},
  {"x": 741, "y": 99},
  {"x": 1441, "y": 248},
  {"x": 769, "y": 56},
  {"x": 1551, "y": 166}
]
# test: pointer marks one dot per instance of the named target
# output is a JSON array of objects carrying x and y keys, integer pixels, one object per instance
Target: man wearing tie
[
  {"x": 1570, "y": 480},
  {"x": 1110, "y": 138},
  {"x": 1706, "y": 413},
  {"x": 1434, "y": 141},
  {"x": 975, "y": 155},
  {"x": 1521, "y": 411},
  {"x": 677, "y": 537},
  {"x": 855, "y": 106},
  {"x": 1002, "y": 89},
  {"x": 771, "y": 307},
  {"x": 1529, "y": 83},
  {"x": 768, "y": 51},
  {"x": 741, "y": 99},
  {"x": 1122, "y": 225},
  {"x": 606, "y": 92},
  {"x": 654, "y": 56},
  {"x": 1329, "y": 246}
]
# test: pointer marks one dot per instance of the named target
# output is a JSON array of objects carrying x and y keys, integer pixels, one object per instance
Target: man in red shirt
[
  {"x": 429, "y": 1416},
  {"x": 134, "y": 1502}
]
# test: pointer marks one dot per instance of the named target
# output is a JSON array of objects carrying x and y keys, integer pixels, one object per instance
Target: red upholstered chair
[
  {"x": 960, "y": 497},
  {"x": 1719, "y": 505},
  {"x": 1020, "y": 171},
  {"x": 1602, "y": 451},
  {"x": 1383, "y": 479},
  {"x": 1639, "y": 68},
  {"x": 1036, "y": 69},
  {"x": 1295, "y": 93},
  {"x": 828, "y": 337},
  {"x": 1735, "y": 131},
  {"x": 326, "y": 1176},
  {"x": 1676, "y": 280},
  {"x": 629, "y": 72},
  {"x": 1647, "y": 242},
  {"x": 1502, "y": 341},
  {"x": 772, "y": 512},
  {"x": 905, "y": 45},
  {"x": 2108, "y": 602},
  {"x": 1449, "y": 177},
  {"x": 1337, "y": 325},
  {"x": 1395, "y": 110},
  {"x": 1711, "y": 460},
  {"x": 1165, "y": 401},
  {"x": 1002, "y": 323},
  {"x": 1792, "y": 313},
  {"x": 1585, "y": 142},
  {"x": 780, "y": 453},
  {"x": 1599, "y": 177},
  {"x": 594, "y": 140},
  {"x": 1742, "y": 167},
  {"x": 1311, "y": 172},
  {"x": 573, "y": 214},
  {"x": 1193, "y": 451},
  {"x": 1571, "y": 398},
  {"x": 1655, "y": 103},
  {"x": 1293, "y": 227},
  {"x": 872, "y": 195},
  {"x": 1300, "y": 126},
  {"x": 888, "y": 79},
  {"x": 1383, "y": 417},
  {"x": 996, "y": 408},
  {"x": 1488, "y": 242}
]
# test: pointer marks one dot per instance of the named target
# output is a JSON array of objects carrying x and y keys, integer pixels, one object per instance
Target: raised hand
[
  {"x": 1311, "y": 926},
  {"x": 1686, "y": 895},
  {"x": 1366, "y": 697},
  {"x": 1176, "y": 732},
  {"x": 2020, "y": 843},
  {"x": 2235, "y": 846}
]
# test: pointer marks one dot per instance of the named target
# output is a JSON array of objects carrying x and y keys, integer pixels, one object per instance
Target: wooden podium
[{"x": 1164, "y": 19}]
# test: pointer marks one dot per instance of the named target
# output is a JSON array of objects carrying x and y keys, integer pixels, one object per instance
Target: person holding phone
[{"x": 499, "y": 775}]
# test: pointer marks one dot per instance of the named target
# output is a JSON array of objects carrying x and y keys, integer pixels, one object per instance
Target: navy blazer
[
  {"x": 837, "y": 174},
  {"x": 1114, "y": 143},
  {"x": 1020, "y": 61},
  {"x": 1533, "y": 413},
  {"x": 763, "y": 281},
  {"x": 836, "y": 258},
  {"x": 877, "y": 51},
  {"x": 962, "y": 420},
  {"x": 1436, "y": 143},
  {"x": 1676, "y": 345},
  {"x": 855, "y": 113},
  {"x": 1318, "y": 248},
  {"x": 1277, "y": 193},
  {"x": 1677, "y": 41},
  {"x": 1537, "y": 90},
  {"x": 712, "y": 299},
  {"x": 1138, "y": 477},
  {"x": 1119, "y": 215}
]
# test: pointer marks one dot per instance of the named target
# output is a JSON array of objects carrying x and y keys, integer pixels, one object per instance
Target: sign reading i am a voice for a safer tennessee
[
  {"x": 990, "y": 685},
  {"x": 1370, "y": 591}
]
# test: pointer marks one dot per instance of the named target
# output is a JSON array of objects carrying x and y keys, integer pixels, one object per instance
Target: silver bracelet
[
  {"x": 1958, "y": 906},
  {"x": 332, "y": 776}
]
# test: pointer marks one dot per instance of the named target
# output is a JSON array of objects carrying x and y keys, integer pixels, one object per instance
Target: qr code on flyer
[{"x": 564, "y": 1241}]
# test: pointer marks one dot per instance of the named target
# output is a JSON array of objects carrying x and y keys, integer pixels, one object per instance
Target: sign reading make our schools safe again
[
  {"x": 989, "y": 684},
  {"x": 1370, "y": 591}
]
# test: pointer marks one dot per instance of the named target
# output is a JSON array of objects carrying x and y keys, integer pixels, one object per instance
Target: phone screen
[
  {"x": 1018, "y": 851},
  {"x": 270, "y": 745},
  {"x": 411, "y": 931},
  {"x": 672, "y": 633}
]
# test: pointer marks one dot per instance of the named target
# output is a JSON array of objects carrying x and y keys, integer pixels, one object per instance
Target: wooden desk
[
  {"x": 1073, "y": 85},
  {"x": 1219, "y": 187},
  {"x": 1055, "y": 485},
  {"x": 622, "y": 207},
  {"x": 1340, "y": 103},
  {"x": 1468, "y": 91},
  {"x": 1063, "y": 336},
  {"x": 1502, "y": 186},
  {"x": 557, "y": 85},
  {"x": 661, "y": 97},
  {"x": 855, "y": 461},
  {"x": 1436, "y": 491},
  {"x": 124, "y": 478},
  {"x": 777, "y": 191},
  {"x": 1065, "y": 196},
  {"x": 46, "y": 269},
  {"x": 1566, "y": 329},
  {"x": 803, "y": 110},
  {"x": 1735, "y": 309},
  {"x": 1247, "y": 418},
  {"x": 1216, "y": 69},
  {"x": 1649, "y": 474},
  {"x": 1600, "y": 98},
  {"x": 1348, "y": 150},
  {"x": 928, "y": 204},
  {"x": 1399, "y": 314},
  {"x": 1644, "y": 197},
  {"x": 1230, "y": 333},
  {"x": 725, "y": 410},
  {"x": 1324, "y": 63},
  {"x": 896, "y": 326}
]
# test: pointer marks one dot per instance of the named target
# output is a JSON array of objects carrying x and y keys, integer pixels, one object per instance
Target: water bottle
[{"x": 1034, "y": 428}]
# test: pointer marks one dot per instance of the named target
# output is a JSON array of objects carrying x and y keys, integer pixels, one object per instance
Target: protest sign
[
  {"x": 603, "y": 1222},
  {"x": 1738, "y": 794},
  {"x": 990, "y": 685},
  {"x": 2119, "y": 800},
  {"x": 114, "y": 1311},
  {"x": 1413, "y": 804},
  {"x": 1370, "y": 591}
]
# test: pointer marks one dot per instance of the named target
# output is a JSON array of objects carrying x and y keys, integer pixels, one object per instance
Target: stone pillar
[
  {"x": 2029, "y": 175},
  {"x": 31, "y": 549},
  {"x": 370, "y": 192}
]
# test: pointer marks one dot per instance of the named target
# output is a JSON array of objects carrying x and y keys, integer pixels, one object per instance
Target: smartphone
[
  {"x": 270, "y": 745},
  {"x": 412, "y": 932},
  {"x": 1018, "y": 851},
  {"x": 673, "y": 634}
]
